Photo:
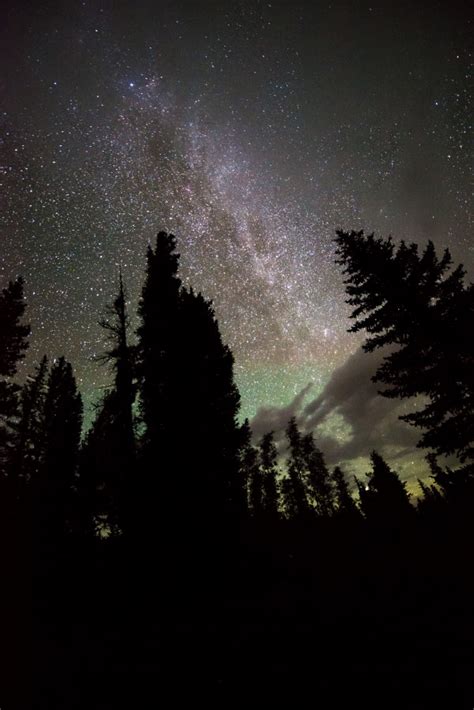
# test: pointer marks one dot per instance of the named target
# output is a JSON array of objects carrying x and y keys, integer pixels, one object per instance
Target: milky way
[{"x": 250, "y": 130}]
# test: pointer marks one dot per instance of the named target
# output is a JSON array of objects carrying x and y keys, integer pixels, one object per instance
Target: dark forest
[{"x": 165, "y": 555}]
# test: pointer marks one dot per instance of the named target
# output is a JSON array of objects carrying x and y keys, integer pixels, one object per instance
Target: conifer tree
[
  {"x": 158, "y": 371},
  {"x": 293, "y": 487},
  {"x": 456, "y": 485},
  {"x": 345, "y": 503},
  {"x": 103, "y": 470},
  {"x": 13, "y": 333},
  {"x": 30, "y": 431},
  {"x": 108, "y": 454},
  {"x": 319, "y": 480},
  {"x": 206, "y": 387},
  {"x": 415, "y": 304},
  {"x": 384, "y": 497},
  {"x": 247, "y": 458},
  {"x": 158, "y": 347},
  {"x": 55, "y": 488},
  {"x": 268, "y": 463},
  {"x": 188, "y": 399},
  {"x": 256, "y": 493},
  {"x": 120, "y": 356},
  {"x": 432, "y": 500},
  {"x": 13, "y": 345}
]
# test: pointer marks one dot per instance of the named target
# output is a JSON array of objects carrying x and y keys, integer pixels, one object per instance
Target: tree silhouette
[
  {"x": 103, "y": 470},
  {"x": 108, "y": 454},
  {"x": 56, "y": 483},
  {"x": 158, "y": 373},
  {"x": 208, "y": 406},
  {"x": 27, "y": 457},
  {"x": 269, "y": 468},
  {"x": 158, "y": 310},
  {"x": 13, "y": 345},
  {"x": 432, "y": 501},
  {"x": 456, "y": 485},
  {"x": 414, "y": 305},
  {"x": 188, "y": 399},
  {"x": 261, "y": 469},
  {"x": 345, "y": 503},
  {"x": 318, "y": 477},
  {"x": 255, "y": 484},
  {"x": 384, "y": 497},
  {"x": 293, "y": 487},
  {"x": 248, "y": 461},
  {"x": 120, "y": 356}
]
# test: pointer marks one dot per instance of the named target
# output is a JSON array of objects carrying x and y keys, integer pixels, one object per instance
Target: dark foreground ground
[{"x": 296, "y": 616}]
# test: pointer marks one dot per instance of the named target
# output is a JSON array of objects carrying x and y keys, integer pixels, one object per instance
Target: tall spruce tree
[
  {"x": 189, "y": 401},
  {"x": 269, "y": 468},
  {"x": 255, "y": 483},
  {"x": 420, "y": 309},
  {"x": 209, "y": 394},
  {"x": 456, "y": 485},
  {"x": 13, "y": 345},
  {"x": 293, "y": 487},
  {"x": 108, "y": 454},
  {"x": 431, "y": 502},
  {"x": 345, "y": 504},
  {"x": 158, "y": 344},
  {"x": 54, "y": 490},
  {"x": 158, "y": 373},
  {"x": 120, "y": 356},
  {"x": 384, "y": 498},
  {"x": 103, "y": 470},
  {"x": 248, "y": 461},
  {"x": 319, "y": 480},
  {"x": 28, "y": 454}
]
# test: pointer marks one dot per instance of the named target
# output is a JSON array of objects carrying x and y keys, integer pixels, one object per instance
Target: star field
[{"x": 250, "y": 130}]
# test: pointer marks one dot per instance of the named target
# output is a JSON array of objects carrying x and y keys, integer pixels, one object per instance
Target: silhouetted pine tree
[
  {"x": 206, "y": 388},
  {"x": 247, "y": 460},
  {"x": 54, "y": 490},
  {"x": 293, "y": 486},
  {"x": 269, "y": 469},
  {"x": 456, "y": 485},
  {"x": 384, "y": 498},
  {"x": 345, "y": 503},
  {"x": 318, "y": 477},
  {"x": 422, "y": 310},
  {"x": 432, "y": 501},
  {"x": 158, "y": 373},
  {"x": 158, "y": 310},
  {"x": 13, "y": 344},
  {"x": 256, "y": 494},
  {"x": 108, "y": 454},
  {"x": 102, "y": 470},
  {"x": 121, "y": 357},
  {"x": 189, "y": 401},
  {"x": 441, "y": 476},
  {"x": 28, "y": 454}
]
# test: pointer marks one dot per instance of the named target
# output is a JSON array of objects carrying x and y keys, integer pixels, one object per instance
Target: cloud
[
  {"x": 348, "y": 418},
  {"x": 373, "y": 419},
  {"x": 276, "y": 418}
]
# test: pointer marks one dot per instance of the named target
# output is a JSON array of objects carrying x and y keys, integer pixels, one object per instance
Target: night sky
[{"x": 251, "y": 130}]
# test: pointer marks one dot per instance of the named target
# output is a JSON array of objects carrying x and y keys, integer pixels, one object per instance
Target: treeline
[{"x": 166, "y": 448}]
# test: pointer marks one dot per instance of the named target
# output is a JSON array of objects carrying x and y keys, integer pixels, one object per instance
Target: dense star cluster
[{"x": 250, "y": 130}]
